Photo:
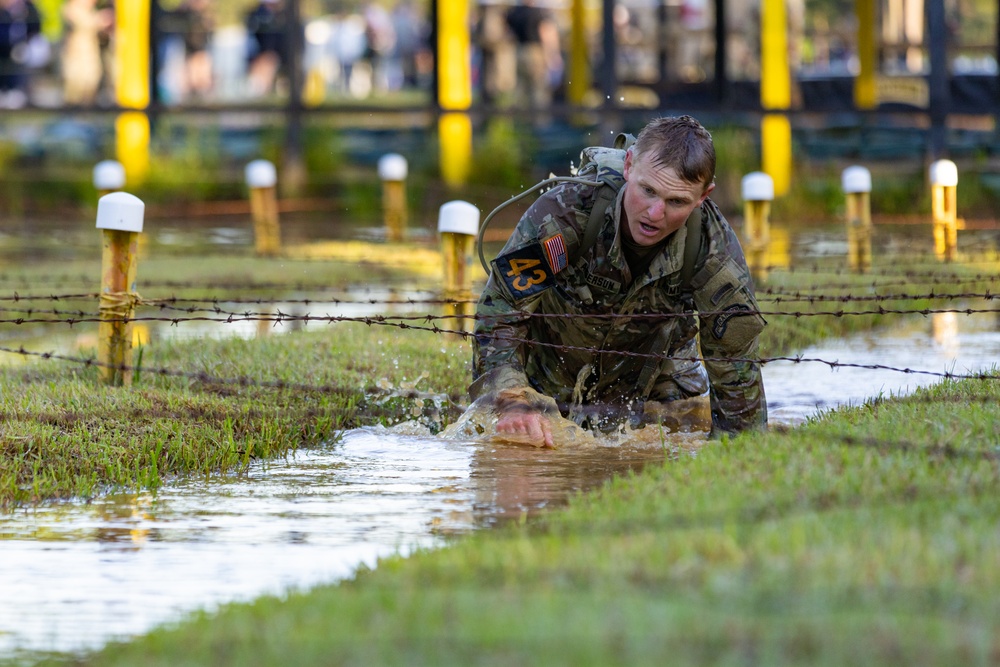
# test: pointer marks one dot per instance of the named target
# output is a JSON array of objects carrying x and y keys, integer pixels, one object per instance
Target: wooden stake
[
  {"x": 758, "y": 192},
  {"x": 857, "y": 185},
  {"x": 458, "y": 224},
  {"x": 392, "y": 170},
  {"x": 262, "y": 181},
  {"x": 944, "y": 209},
  {"x": 119, "y": 215}
]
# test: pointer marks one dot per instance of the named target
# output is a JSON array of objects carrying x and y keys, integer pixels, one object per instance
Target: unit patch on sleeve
[
  {"x": 555, "y": 250},
  {"x": 525, "y": 271}
]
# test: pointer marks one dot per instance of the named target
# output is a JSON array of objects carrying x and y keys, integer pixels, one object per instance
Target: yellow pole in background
[
  {"x": 775, "y": 94},
  {"x": 454, "y": 91},
  {"x": 262, "y": 180},
  {"x": 944, "y": 209},
  {"x": 758, "y": 192},
  {"x": 578, "y": 81},
  {"x": 458, "y": 225},
  {"x": 392, "y": 169},
  {"x": 856, "y": 182},
  {"x": 132, "y": 86},
  {"x": 865, "y": 91},
  {"x": 120, "y": 215}
]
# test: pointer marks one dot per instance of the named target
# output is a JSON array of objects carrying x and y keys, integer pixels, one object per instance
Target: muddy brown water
[{"x": 76, "y": 575}]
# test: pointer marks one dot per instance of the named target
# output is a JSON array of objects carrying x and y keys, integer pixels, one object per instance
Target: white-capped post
[
  {"x": 944, "y": 208},
  {"x": 119, "y": 215},
  {"x": 392, "y": 169},
  {"x": 262, "y": 181},
  {"x": 458, "y": 225},
  {"x": 757, "y": 189},
  {"x": 856, "y": 182},
  {"x": 108, "y": 176}
]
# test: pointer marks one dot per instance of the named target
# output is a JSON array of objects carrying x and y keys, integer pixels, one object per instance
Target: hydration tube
[{"x": 547, "y": 181}]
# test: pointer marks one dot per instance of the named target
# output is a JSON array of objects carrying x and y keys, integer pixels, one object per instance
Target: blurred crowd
[{"x": 61, "y": 52}]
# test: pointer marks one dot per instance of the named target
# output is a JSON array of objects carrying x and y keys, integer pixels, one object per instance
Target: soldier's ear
[
  {"x": 708, "y": 191},
  {"x": 628, "y": 163}
]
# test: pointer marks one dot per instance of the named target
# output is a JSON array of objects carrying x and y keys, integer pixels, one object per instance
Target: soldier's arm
[
  {"x": 729, "y": 334},
  {"x": 519, "y": 275}
]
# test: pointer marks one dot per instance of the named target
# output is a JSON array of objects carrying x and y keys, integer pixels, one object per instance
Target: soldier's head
[
  {"x": 669, "y": 171},
  {"x": 679, "y": 142}
]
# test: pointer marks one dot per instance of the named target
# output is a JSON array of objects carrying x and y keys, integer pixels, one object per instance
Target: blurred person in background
[
  {"x": 267, "y": 45},
  {"x": 20, "y": 26},
  {"x": 198, "y": 22},
  {"x": 82, "y": 67},
  {"x": 539, "y": 59}
]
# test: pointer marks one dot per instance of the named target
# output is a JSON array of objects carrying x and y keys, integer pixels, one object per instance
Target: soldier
[{"x": 602, "y": 327}]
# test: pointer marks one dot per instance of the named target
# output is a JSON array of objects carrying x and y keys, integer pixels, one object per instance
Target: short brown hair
[{"x": 681, "y": 143}]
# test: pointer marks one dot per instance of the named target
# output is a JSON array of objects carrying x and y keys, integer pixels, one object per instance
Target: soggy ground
[{"x": 78, "y": 574}]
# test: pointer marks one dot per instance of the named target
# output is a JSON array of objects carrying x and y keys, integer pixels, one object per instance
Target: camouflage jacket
[{"x": 538, "y": 279}]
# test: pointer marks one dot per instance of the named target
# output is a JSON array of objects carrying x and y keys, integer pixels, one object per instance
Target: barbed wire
[
  {"x": 832, "y": 364},
  {"x": 74, "y": 318},
  {"x": 768, "y": 296}
]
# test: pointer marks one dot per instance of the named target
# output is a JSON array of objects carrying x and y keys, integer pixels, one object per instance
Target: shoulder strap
[
  {"x": 692, "y": 245},
  {"x": 605, "y": 196}
]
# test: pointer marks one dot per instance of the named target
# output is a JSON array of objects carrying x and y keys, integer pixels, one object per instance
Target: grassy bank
[{"x": 869, "y": 536}]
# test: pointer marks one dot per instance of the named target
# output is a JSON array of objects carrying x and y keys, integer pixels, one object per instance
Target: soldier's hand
[{"x": 533, "y": 427}]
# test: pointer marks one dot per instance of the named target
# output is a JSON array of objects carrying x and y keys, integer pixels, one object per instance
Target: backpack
[{"x": 607, "y": 166}]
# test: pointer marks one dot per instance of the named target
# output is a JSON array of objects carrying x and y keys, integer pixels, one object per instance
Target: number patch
[{"x": 524, "y": 271}]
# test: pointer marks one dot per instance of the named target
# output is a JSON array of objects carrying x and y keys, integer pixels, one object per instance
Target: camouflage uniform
[{"x": 540, "y": 273}]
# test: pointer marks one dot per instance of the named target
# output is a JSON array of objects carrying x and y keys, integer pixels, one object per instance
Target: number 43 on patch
[{"x": 525, "y": 271}]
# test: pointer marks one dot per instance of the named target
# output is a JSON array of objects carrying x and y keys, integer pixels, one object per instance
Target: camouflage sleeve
[
  {"x": 730, "y": 330},
  {"x": 501, "y": 315}
]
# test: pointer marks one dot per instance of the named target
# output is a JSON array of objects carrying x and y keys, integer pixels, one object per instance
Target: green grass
[{"x": 867, "y": 536}]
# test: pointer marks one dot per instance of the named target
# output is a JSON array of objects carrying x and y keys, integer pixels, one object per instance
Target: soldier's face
[{"x": 657, "y": 200}]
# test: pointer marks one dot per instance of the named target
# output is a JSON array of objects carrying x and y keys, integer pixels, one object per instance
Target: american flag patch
[{"x": 555, "y": 251}]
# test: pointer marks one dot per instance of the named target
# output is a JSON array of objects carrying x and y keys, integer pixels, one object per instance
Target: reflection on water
[
  {"x": 78, "y": 574},
  {"x": 941, "y": 343}
]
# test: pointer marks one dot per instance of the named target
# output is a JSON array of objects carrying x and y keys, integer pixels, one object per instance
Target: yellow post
[
  {"x": 944, "y": 208},
  {"x": 120, "y": 215},
  {"x": 454, "y": 90},
  {"x": 857, "y": 185},
  {"x": 262, "y": 181},
  {"x": 578, "y": 81},
  {"x": 758, "y": 192},
  {"x": 392, "y": 169},
  {"x": 132, "y": 85},
  {"x": 775, "y": 95},
  {"x": 455, "y": 131},
  {"x": 865, "y": 90},
  {"x": 458, "y": 225}
]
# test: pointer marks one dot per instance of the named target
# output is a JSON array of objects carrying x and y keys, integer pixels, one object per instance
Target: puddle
[
  {"x": 940, "y": 343},
  {"x": 77, "y": 575}
]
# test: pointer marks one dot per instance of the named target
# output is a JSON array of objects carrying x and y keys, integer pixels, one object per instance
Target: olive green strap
[{"x": 692, "y": 245}]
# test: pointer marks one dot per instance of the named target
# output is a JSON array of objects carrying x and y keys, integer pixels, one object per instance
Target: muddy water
[{"x": 76, "y": 575}]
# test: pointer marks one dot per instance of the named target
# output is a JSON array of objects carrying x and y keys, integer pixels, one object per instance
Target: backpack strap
[{"x": 692, "y": 246}]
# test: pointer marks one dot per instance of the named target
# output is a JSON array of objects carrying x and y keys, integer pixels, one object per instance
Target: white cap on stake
[
  {"x": 944, "y": 172},
  {"x": 109, "y": 175},
  {"x": 458, "y": 217},
  {"x": 261, "y": 174},
  {"x": 856, "y": 179},
  {"x": 392, "y": 167},
  {"x": 120, "y": 211},
  {"x": 757, "y": 186}
]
